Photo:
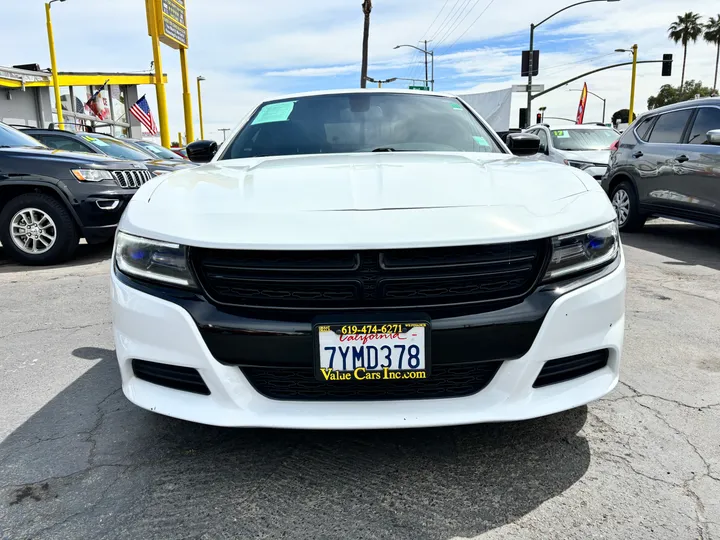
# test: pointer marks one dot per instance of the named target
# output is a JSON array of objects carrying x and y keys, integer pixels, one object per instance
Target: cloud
[{"x": 250, "y": 50}]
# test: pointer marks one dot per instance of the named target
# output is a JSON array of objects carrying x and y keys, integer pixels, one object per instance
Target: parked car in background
[
  {"x": 583, "y": 146},
  {"x": 668, "y": 164},
  {"x": 156, "y": 150},
  {"x": 368, "y": 259},
  {"x": 99, "y": 143},
  {"x": 182, "y": 152},
  {"x": 49, "y": 199}
]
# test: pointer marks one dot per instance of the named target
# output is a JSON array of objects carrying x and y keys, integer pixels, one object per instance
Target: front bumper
[{"x": 154, "y": 329}]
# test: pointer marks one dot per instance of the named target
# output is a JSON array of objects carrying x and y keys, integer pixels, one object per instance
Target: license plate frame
[{"x": 371, "y": 320}]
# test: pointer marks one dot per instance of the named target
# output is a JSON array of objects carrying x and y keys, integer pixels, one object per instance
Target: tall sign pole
[
  {"x": 187, "y": 98},
  {"x": 166, "y": 24},
  {"x": 159, "y": 83}
]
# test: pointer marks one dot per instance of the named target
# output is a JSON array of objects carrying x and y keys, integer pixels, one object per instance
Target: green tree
[
  {"x": 687, "y": 28},
  {"x": 712, "y": 35},
  {"x": 669, "y": 94}
]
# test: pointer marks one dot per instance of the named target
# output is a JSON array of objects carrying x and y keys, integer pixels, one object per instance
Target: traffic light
[
  {"x": 538, "y": 118},
  {"x": 523, "y": 122},
  {"x": 667, "y": 65}
]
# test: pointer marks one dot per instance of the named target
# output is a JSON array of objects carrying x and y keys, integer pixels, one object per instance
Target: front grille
[
  {"x": 177, "y": 377},
  {"x": 427, "y": 279},
  {"x": 571, "y": 367},
  {"x": 132, "y": 178},
  {"x": 300, "y": 384}
]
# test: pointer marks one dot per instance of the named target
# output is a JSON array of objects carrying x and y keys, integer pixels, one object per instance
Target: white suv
[
  {"x": 367, "y": 259},
  {"x": 583, "y": 146}
]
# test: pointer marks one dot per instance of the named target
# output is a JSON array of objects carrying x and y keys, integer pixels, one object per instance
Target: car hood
[
  {"x": 73, "y": 158},
  {"x": 590, "y": 156},
  {"x": 169, "y": 165},
  {"x": 362, "y": 200}
]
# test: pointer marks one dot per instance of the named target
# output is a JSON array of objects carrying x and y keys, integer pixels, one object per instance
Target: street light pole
[
  {"x": 631, "y": 110},
  {"x": 429, "y": 83},
  {"x": 53, "y": 65},
  {"x": 632, "y": 85},
  {"x": 594, "y": 94},
  {"x": 530, "y": 60},
  {"x": 202, "y": 131}
]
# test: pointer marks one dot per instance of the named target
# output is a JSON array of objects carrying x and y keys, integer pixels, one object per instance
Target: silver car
[{"x": 584, "y": 146}]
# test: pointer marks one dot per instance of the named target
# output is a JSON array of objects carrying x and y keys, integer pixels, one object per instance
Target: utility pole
[
  {"x": 367, "y": 8},
  {"x": 223, "y": 132},
  {"x": 426, "y": 73},
  {"x": 631, "y": 112}
]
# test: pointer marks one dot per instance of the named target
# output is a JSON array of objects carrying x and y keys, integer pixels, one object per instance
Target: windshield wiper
[{"x": 385, "y": 149}]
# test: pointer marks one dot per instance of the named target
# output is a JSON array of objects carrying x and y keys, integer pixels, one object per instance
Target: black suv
[
  {"x": 49, "y": 199},
  {"x": 99, "y": 143},
  {"x": 668, "y": 164}
]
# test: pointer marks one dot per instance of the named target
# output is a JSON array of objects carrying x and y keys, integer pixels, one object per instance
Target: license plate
[{"x": 368, "y": 352}]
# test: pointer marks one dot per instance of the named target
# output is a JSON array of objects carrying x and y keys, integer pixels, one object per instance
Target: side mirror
[
  {"x": 713, "y": 136},
  {"x": 201, "y": 151},
  {"x": 523, "y": 144}
]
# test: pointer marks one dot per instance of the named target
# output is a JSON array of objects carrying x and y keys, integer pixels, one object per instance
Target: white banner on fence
[{"x": 494, "y": 107}]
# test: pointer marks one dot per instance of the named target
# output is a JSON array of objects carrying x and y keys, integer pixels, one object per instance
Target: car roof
[
  {"x": 571, "y": 126},
  {"x": 359, "y": 91},
  {"x": 684, "y": 105}
]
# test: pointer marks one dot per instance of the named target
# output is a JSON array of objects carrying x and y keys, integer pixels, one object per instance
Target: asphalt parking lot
[{"x": 78, "y": 461}]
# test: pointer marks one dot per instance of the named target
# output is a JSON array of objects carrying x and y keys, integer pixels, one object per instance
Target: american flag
[{"x": 141, "y": 111}]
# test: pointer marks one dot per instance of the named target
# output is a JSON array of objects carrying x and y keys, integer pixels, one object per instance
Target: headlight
[
  {"x": 158, "y": 173},
  {"x": 152, "y": 259},
  {"x": 92, "y": 175},
  {"x": 583, "y": 251},
  {"x": 582, "y": 165}
]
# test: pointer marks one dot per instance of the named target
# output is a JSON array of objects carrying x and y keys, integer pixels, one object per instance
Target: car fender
[{"x": 64, "y": 194}]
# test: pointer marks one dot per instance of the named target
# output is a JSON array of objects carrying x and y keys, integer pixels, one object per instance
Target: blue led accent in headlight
[
  {"x": 596, "y": 243},
  {"x": 137, "y": 254}
]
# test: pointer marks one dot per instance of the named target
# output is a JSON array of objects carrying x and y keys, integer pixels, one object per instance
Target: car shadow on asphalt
[
  {"x": 85, "y": 254},
  {"x": 688, "y": 244},
  {"x": 89, "y": 464}
]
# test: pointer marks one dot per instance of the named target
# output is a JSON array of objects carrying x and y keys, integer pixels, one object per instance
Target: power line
[
  {"x": 469, "y": 27},
  {"x": 442, "y": 24},
  {"x": 457, "y": 23},
  {"x": 435, "y": 19},
  {"x": 453, "y": 22}
]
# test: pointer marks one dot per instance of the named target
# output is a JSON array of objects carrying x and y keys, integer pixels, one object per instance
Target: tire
[
  {"x": 625, "y": 201},
  {"x": 52, "y": 235}
]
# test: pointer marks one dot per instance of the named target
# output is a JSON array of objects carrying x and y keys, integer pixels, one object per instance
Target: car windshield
[
  {"x": 115, "y": 148},
  {"x": 583, "y": 139},
  {"x": 13, "y": 138},
  {"x": 157, "y": 150},
  {"x": 360, "y": 122}
]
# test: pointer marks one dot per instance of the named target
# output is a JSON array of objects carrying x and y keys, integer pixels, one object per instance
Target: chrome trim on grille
[{"x": 131, "y": 179}]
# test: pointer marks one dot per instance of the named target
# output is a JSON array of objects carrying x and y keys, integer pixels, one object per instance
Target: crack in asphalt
[
  {"x": 638, "y": 394},
  {"x": 54, "y": 328}
]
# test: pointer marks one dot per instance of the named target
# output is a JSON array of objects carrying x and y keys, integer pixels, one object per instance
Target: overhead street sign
[
  {"x": 524, "y": 88},
  {"x": 418, "y": 88}
]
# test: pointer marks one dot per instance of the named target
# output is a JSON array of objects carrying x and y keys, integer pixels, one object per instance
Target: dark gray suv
[{"x": 668, "y": 164}]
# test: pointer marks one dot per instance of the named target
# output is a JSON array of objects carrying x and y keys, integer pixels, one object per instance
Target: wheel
[
  {"x": 37, "y": 229},
  {"x": 625, "y": 202}
]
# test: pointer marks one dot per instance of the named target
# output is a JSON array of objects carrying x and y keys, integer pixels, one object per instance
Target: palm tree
[
  {"x": 687, "y": 28},
  {"x": 712, "y": 35},
  {"x": 367, "y": 8}
]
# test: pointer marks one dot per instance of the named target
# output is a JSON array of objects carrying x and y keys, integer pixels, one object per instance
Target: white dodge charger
[{"x": 367, "y": 259}]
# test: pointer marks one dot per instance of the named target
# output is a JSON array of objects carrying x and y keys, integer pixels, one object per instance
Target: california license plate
[{"x": 374, "y": 351}]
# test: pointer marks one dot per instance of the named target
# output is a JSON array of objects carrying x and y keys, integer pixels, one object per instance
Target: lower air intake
[
  {"x": 300, "y": 384},
  {"x": 572, "y": 367},
  {"x": 176, "y": 377}
]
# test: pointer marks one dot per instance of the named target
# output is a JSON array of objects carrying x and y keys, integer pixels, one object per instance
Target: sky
[{"x": 251, "y": 50}]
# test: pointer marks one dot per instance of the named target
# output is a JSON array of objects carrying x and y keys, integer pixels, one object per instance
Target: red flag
[{"x": 581, "y": 106}]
